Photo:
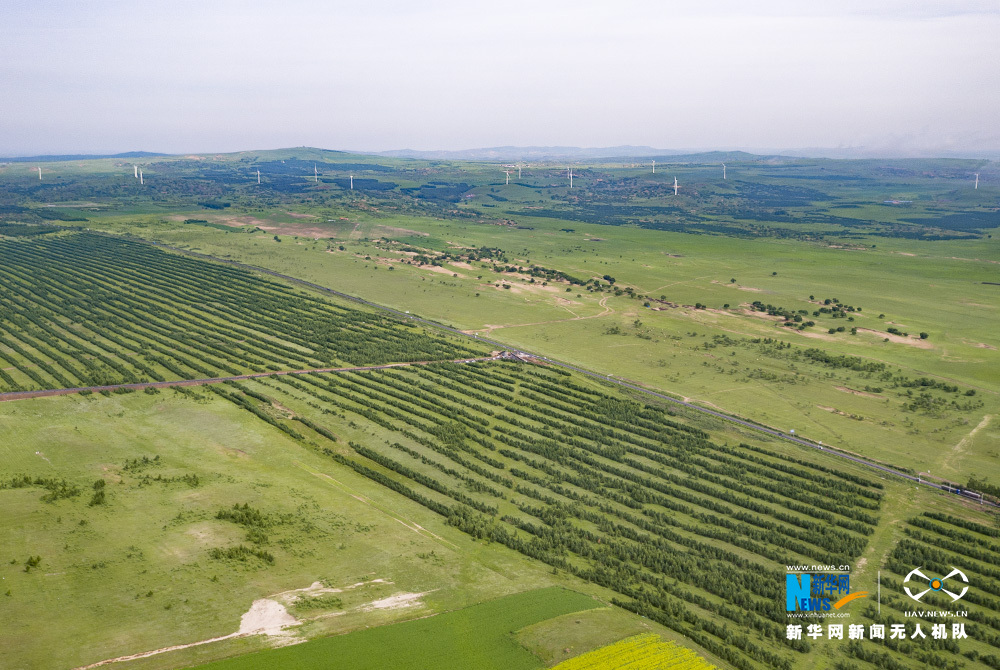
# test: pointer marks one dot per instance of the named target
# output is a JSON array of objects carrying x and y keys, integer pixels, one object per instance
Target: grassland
[
  {"x": 929, "y": 291},
  {"x": 909, "y": 240},
  {"x": 270, "y": 485},
  {"x": 135, "y": 573},
  {"x": 478, "y": 637}
]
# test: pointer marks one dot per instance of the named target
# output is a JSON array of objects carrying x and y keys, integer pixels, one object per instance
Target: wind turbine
[
  {"x": 352, "y": 182},
  {"x": 39, "y": 174},
  {"x": 675, "y": 185},
  {"x": 507, "y": 172},
  {"x": 315, "y": 174},
  {"x": 723, "y": 172},
  {"x": 258, "y": 176},
  {"x": 141, "y": 182},
  {"x": 135, "y": 171},
  {"x": 571, "y": 177},
  {"x": 977, "y": 181},
  {"x": 654, "y": 166},
  {"x": 519, "y": 166}
]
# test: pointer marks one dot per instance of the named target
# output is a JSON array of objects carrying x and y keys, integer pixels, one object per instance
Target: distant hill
[
  {"x": 532, "y": 153},
  {"x": 79, "y": 157}
]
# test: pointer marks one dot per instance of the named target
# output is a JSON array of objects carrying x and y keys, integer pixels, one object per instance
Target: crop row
[
  {"x": 689, "y": 532},
  {"x": 89, "y": 310}
]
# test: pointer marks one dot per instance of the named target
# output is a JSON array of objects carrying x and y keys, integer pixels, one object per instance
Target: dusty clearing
[
  {"x": 817, "y": 336},
  {"x": 440, "y": 270},
  {"x": 392, "y": 230},
  {"x": 266, "y": 617},
  {"x": 833, "y": 410},
  {"x": 899, "y": 339},
  {"x": 317, "y": 588},
  {"x": 854, "y": 392},
  {"x": 398, "y": 601},
  {"x": 742, "y": 288}
]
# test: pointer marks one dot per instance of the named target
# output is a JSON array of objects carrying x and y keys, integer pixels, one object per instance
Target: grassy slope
[
  {"x": 930, "y": 291},
  {"x": 156, "y": 538}
]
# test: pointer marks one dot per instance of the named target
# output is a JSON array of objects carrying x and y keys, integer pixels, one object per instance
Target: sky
[{"x": 894, "y": 77}]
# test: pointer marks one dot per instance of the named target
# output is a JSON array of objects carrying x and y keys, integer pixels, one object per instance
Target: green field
[
  {"x": 791, "y": 295},
  {"x": 472, "y": 638}
]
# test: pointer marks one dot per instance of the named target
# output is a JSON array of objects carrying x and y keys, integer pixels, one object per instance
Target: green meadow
[
  {"x": 135, "y": 573},
  {"x": 477, "y": 637},
  {"x": 914, "y": 287}
]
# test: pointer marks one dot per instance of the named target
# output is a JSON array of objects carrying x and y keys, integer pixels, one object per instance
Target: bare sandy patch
[
  {"x": 845, "y": 389},
  {"x": 440, "y": 270},
  {"x": 266, "y": 617},
  {"x": 319, "y": 588},
  {"x": 518, "y": 288},
  {"x": 299, "y": 215},
  {"x": 737, "y": 286},
  {"x": 299, "y": 231},
  {"x": 815, "y": 336},
  {"x": 393, "y": 230},
  {"x": 238, "y": 221},
  {"x": 396, "y": 602},
  {"x": 983, "y": 345},
  {"x": 462, "y": 264},
  {"x": 204, "y": 532},
  {"x": 900, "y": 339},
  {"x": 278, "y": 227}
]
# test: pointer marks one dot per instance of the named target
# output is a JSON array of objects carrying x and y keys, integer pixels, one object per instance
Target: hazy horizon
[{"x": 901, "y": 79}]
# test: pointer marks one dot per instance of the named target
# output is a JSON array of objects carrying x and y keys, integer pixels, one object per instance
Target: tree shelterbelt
[
  {"x": 82, "y": 310},
  {"x": 688, "y": 532}
]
